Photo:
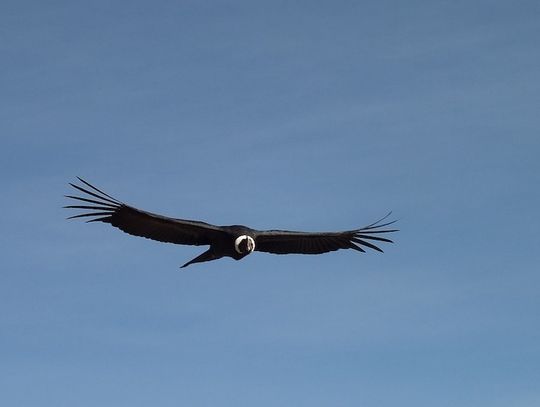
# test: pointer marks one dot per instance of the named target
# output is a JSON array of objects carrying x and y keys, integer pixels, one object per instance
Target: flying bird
[{"x": 234, "y": 241}]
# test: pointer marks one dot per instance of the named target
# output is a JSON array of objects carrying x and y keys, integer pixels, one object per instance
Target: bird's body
[{"x": 234, "y": 241}]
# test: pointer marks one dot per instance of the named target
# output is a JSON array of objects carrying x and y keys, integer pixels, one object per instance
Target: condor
[{"x": 225, "y": 241}]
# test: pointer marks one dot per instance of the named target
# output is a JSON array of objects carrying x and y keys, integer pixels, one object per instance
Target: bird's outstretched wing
[
  {"x": 101, "y": 207},
  {"x": 285, "y": 241}
]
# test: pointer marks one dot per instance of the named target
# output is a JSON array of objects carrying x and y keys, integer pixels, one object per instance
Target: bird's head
[{"x": 244, "y": 244}]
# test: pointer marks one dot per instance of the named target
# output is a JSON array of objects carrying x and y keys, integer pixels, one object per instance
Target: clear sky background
[{"x": 307, "y": 115}]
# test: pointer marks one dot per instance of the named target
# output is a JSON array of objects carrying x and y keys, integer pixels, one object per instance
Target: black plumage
[{"x": 231, "y": 241}]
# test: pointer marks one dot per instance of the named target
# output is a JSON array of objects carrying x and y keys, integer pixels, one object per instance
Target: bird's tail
[{"x": 206, "y": 256}]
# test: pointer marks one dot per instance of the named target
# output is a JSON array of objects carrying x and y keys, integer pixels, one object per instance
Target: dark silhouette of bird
[{"x": 234, "y": 241}]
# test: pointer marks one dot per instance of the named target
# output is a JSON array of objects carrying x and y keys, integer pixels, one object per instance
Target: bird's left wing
[
  {"x": 285, "y": 241},
  {"x": 101, "y": 207}
]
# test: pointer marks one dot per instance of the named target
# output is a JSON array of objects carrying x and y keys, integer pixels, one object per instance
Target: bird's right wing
[
  {"x": 286, "y": 241},
  {"x": 102, "y": 207}
]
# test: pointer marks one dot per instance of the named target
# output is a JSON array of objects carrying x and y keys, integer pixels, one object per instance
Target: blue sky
[{"x": 297, "y": 115}]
